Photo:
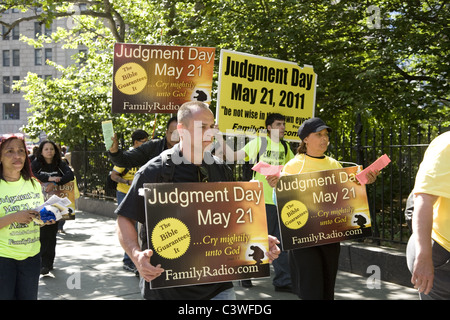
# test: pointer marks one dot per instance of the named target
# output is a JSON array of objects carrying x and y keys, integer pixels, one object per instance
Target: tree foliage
[{"x": 387, "y": 60}]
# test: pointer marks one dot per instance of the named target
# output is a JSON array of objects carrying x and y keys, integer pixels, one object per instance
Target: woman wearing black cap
[{"x": 314, "y": 269}]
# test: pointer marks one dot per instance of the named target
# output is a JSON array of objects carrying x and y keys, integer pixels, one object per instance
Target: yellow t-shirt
[
  {"x": 129, "y": 175},
  {"x": 303, "y": 163},
  {"x": 274, "y": 154},
  {"x": 19, "y": 241},
  {"x": 433, "y": 178}
]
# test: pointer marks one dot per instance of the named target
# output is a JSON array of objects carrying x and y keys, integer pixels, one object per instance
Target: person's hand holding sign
[
  {"x": 145, "y": 268},
  {"x": 273, "y": 180},
  {"x": 128, "y": 239},
  {"x": 274, "y": 251}
]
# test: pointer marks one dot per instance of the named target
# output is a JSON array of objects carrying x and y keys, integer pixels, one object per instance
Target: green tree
[{"x": 385, "y": 59}]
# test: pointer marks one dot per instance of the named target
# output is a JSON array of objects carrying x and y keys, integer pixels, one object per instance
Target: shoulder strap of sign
[{"x": 168, "y": 167}]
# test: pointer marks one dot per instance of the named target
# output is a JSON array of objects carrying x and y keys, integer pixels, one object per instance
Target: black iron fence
[{"x": 387, "y": 196}]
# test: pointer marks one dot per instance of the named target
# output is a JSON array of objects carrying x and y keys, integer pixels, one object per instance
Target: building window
[
  {"x": 48, "y": 55},
  {"x": 38, "y": 57},
  {"x": 48, "y": 30},
  {"x": 11, "y": 111},
  {"x": 14, "y": 80},
  {"x": 82, "y": 56},
  {"x": 83, "y": 7},
  {"x": 6, "y": 84},
  {"x": 37, "y": 30},
  {"x": 6, "y": 58},
  {"x": 16, "y": 33},
  {"x": 4, "y": 35},
  {"x": 16, "y": 58}
]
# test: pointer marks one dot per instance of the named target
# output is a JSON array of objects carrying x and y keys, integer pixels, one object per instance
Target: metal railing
[{"x": 387, "y": 196}]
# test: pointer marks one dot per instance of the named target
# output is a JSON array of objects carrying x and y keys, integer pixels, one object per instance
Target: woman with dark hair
[
  {"x": 19, "y": 234},
  {"x": 49, "y": 168}
]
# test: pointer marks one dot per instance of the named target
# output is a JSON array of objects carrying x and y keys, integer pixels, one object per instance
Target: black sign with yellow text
[
  {"x": 206, "y": 232},
  {"x": 322, "y": 207}
]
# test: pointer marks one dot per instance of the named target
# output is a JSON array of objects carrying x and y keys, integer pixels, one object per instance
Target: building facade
[{"x": 19, "y": 58}]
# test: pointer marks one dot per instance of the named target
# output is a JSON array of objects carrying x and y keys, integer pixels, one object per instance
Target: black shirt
[
  {"x": 139, "y": 156},
  {"x": 42, "y": 171}
]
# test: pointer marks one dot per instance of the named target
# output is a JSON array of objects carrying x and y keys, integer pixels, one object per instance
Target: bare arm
[
  {"x": 25, "y": 216},
  {"x": 128, "y": 239},
  {"x": 115, "y": 176},
  {"x": 423, "y": 270}
]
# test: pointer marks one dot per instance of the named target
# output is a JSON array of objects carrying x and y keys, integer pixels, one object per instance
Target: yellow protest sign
[{"x": 251, "y": 87}]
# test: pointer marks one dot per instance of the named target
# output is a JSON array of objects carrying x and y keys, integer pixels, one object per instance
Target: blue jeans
[{"x": 19, "y": 279}]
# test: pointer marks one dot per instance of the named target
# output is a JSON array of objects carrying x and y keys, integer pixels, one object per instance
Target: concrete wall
[
  {"x": 100, "y": 207},
  {"x": 357, "y": 258}
]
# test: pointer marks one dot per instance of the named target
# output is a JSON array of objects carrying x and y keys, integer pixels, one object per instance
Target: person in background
[
  {"x": 314, "y": 269},
  {"x": 33, "y": 154},
  {"x": 428, "y": 251},
  {"x": 19, "y": 234},
  {"x": 139, "y": 156},
  {"x": 51, "y": 171},
  {"x": 124, "y": 178}
]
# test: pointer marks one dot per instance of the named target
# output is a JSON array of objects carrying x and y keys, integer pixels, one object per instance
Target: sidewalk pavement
[{"x": 88, "y": 266}]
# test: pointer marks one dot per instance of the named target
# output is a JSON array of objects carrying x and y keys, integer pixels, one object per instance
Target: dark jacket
[
  {"x": 137, "y": 157},
  {"x": 43, "y": 171}
]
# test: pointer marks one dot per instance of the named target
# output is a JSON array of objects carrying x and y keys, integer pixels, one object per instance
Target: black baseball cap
[{"x": 310, "y": 126}]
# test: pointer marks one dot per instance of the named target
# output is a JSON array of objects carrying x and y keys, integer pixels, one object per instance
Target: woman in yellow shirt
[
  {"x": 20, "y": 193},
  {"x": 314, "y": 269}
]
